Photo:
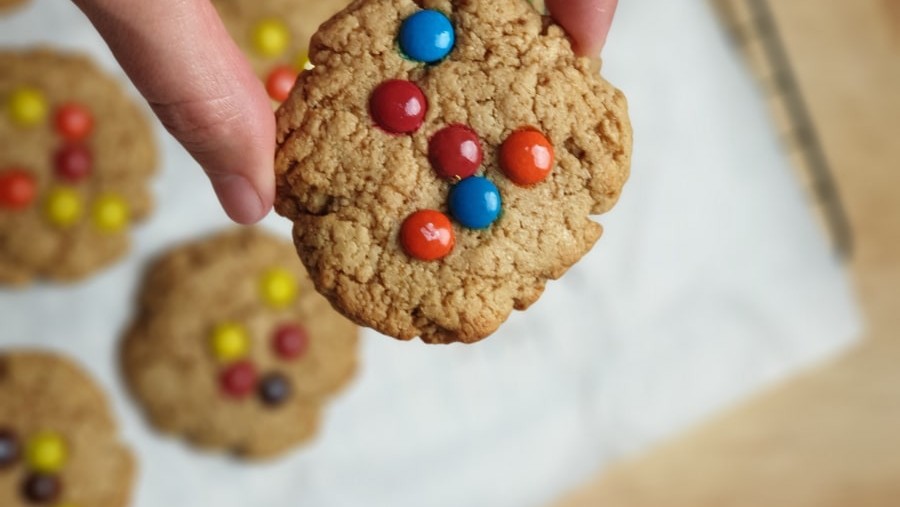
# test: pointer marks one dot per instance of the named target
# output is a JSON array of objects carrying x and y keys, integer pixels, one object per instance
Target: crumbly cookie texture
[
  {"x": 176, "y": 357},
  {"x": 67, "y": 203},
  {"x": 348, "y": 186},
  {"x": 55, "y": 423}
]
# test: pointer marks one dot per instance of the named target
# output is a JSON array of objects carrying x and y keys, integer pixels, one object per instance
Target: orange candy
[
  {"x": 17, "y": 189},
  {"x": 427, "y": 235},
  {"x": 280, "y": 82},
  {"x": 74, "y": 122},
  {"x": 526, "y": 157}
]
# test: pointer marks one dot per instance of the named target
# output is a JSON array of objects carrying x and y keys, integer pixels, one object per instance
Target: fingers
[
  {"x": 587, "y": 22},
  {"x": 182, "y": 60}
]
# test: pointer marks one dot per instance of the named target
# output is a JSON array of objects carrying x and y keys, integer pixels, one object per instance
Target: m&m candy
[
  {"x": 427, "y": 235},
  {"x": 526, "y": 157},
  {"x": 41, "y": 488},
  {"x": 427, "y": 36},
  {"x": 274, "y": 389},
  {"x": 74, "y": 122},
  {"x": 9, "y": 448},
  {"x": 239, "y": 379},
  {"x": 111, "y": 213},
  {"x": 280, "y": 82},
  {"x": 398, "y": 106},
  {"x": 17, "y": 189},
  {"x": 278, "y": 287},
  {"x": 27, "y": 107},
  {"x": 475, "y": 202},
  {"x": 63, "y": 207},
  {"x": 290, "y": 341},
  {"x": 46, "y": 452},
  {"x": 73, "y": 162},
  {"x": 455, "y": 152},
  {"x": 229, "y": 342},
  {"x": 271, "y": 37}
]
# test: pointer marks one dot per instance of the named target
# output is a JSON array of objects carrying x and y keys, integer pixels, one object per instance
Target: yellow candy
[
  {"x": 63, "y": 207},
  {"x": 303, "y": 62},
  {"x": 111, "y": 213},
  {"x": 46, "y": 453},
  {"x": 271, "y": 38},
  {"x": 279, "y": 287},
  {"x": 229, "y": 342},
  {"x": 27, "y": 107}
]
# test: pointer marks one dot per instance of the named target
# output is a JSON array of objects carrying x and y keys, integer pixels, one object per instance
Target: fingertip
[
  {"x": 586, "y": 21},
  {"x": 242, "y": 202}
]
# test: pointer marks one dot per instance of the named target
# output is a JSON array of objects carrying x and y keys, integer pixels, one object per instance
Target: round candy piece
[
  {"x": 290, "y": 341},
  {"x": 63, "y": 207},
  {"x": 427, "y": 235},
  {"x": 111, "y": 213},
  {"x": 46, "y": 452},
  {"x": 455, "y": 152},
  {"x": 398, "y": 106},
  {"x": 278, "y": 287},
  {"x": 27, "y": 107},
  {"x": 526, "y": 157},
  {"x": 239, "y": 379},
  {"x": 17, "y": 189},
  {"x": 271, "y": 37},
  {"x": 274, "y": 389},
  {"x": 74, "y": 122},
  {"x": 73, "y": 162},
  {"x": 280, "y": 82},
  {"x": 475, "y": 202},
  {"x": 427, "y": 36},
  {"x": 9, "y": 449},
  {"x": 229, "y": 342},
  {"x": 41, "y": 488}
]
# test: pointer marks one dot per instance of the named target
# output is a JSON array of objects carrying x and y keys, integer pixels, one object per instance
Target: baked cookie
[
  {"x": 441, "y": 161},
  {"x": 8, "y": 5},
  {"x": 75, "y": 157},
  {"x": 233, "y": 348},
  {"x": 274, "y": 34},
  {"x": 58, "y": 440}
]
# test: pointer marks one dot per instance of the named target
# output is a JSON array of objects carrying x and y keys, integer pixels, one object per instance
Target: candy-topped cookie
[
  {"x": 58, "y": 440},
  {"x": 274, "y": 34},
  {"x": 442, "y": 160},
  {"x": 76, "y": 155},
  {"x": 233, "y": 349}
]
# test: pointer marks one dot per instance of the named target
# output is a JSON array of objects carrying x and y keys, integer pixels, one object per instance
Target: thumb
[
  {"x": 180, "y": 57},
  {"x": 587, "y": 22}
]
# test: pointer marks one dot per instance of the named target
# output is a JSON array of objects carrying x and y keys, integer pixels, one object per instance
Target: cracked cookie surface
[
  {"x": 348, "y": 185},
  {"x": 233, "y": 349}
]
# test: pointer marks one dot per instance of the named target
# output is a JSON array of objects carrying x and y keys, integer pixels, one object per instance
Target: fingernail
[{"x": 240, "y": 200}]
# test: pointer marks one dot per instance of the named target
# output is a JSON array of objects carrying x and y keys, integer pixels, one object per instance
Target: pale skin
[{"x": 181, "y": 58}]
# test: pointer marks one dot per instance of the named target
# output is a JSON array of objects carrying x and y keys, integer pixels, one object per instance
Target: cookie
[
  {"x": 8, "y": 5},
  {"x": 75, "y": 158},
  {"x": 58, "y": 439},
  {"x": 233, "y": 349},
  {"x": 441, "y": 162},
  {"x": 274, "y": 34}
]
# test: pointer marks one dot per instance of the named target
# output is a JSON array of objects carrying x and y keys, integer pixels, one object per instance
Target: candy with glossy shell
[
  {"x": 274, "y": 389},
  {"x": 73, "y": 162},
  {"x": 271, "y": 37},
  {"x": 10, "y": 449},
  {"x": 398, "y": 106},
  {"x": 280, "y": 82},
  {"x": 63, "y": 207},
  {"x": 27, "y": 107},
  {"x": 455, "y": 152},
  {"x": 526, "y": 157},
  {"x": 41, "y": 488},
  {"x": 278, "y": 287},
  {"x": 427, "y": 235},
  {"x": 74, "y": 122},
  {"x": 111, "y": 213},
  {"x": 290, "y": 341},
  {"x": 17, "y": 189},
  {"x": 475, "y": 202},
  {"x": 46, "y": 452},
  {"x": 239, "y": 379},
  {"x": 229, "y": 342},
  {"x": 427, "y": 36}
]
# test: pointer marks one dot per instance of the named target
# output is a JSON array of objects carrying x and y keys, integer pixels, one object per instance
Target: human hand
[{"x": 587, "y": 22}]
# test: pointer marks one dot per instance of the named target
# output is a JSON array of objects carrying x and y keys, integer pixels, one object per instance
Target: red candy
[
  {"x": 455, "y": 152},
  {"x": 17, "y": 189},
  {"x": 73, "y": 162},
  {"x": 280, "y": 82},
  {"x": 290, "y": 341},
  {"x": 398, "y": 106},
  {"x": 427, "y": 235},
  {"x": 74, "y": 122},
  {"x": 526, "y": 157},
  {"x": 239, "y": 379}
]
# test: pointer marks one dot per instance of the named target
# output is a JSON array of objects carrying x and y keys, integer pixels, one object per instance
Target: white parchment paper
[{"x": 711, "y": 282}]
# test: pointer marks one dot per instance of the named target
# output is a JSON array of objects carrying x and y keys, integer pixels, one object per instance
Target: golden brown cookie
[
  {"x": 75, "y": 158},
  {"x": 58, "y": 440},
  {"x": 274, "y": 34},
  {"x": 9, "y": 5},
  {"x": 441, "y": 162},
  {"x": 233, "y": 348}
]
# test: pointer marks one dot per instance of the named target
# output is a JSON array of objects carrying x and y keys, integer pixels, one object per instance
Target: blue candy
[
  {"x": 427, "y": 36},
  {"x": 475, "y": 202}
]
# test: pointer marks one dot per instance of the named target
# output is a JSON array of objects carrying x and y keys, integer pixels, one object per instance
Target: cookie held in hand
[{"x": 442, "y": 160}]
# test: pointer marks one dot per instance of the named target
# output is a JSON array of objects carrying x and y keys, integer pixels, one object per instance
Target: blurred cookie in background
[
  {"x": 7, "y": 6},
  {"x": 274, "y": 34},
  {"x": 58, "y": 439},
  {"x": 76, "y": 155},
  {"x": 233, "y": 349}
]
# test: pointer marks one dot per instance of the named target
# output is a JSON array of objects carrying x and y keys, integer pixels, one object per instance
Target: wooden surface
[{"x": 832, "y": 436}]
